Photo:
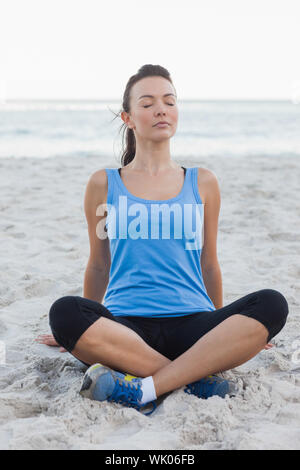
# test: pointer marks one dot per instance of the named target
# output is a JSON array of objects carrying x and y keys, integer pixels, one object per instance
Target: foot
[
  {"x": 209, "y": 386},
  {"x": 102, "y": 383}
]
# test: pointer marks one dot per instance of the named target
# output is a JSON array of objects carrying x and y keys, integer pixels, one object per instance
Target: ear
[{"x": 125, "y": 117}]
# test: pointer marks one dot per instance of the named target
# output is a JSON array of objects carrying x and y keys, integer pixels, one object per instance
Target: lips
[{"x": 161, "y": 122}]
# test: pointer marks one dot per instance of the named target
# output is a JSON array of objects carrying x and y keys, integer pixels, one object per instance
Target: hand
[
  {"x": 50, "y": 341},
  {"x": 268, "y": 346}
]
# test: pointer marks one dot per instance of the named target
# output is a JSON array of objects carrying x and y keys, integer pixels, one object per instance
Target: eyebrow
[{"x": 151, "y": 96}]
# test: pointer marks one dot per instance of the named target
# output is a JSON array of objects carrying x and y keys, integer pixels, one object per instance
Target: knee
[
  {"x": 274, "y": 306},
  {"x": 61, "y": 316}
]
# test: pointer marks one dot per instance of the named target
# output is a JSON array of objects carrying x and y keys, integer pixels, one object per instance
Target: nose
[{"x": 161, "y": 109}]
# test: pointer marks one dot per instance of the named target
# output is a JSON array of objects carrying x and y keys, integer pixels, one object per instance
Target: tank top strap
[
  {"x": 112, "y": 187},
  {"x": 192, "y": 191}
]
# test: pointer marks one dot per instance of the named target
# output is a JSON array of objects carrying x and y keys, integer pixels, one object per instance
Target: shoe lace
[{"x": 126, "y": 393}]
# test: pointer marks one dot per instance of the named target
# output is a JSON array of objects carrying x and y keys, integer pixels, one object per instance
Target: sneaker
[
  {"x": 208, "y": 386},
  {"x": 102, "y": 383}
]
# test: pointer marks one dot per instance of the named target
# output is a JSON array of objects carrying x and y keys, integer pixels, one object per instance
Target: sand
[{"x": 44, "y": 250}]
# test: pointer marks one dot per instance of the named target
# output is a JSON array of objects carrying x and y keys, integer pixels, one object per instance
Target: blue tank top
[{"x": 155, "y": 250}]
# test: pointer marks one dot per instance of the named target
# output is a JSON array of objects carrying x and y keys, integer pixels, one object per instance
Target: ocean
[{"x": 44, "y": 129}]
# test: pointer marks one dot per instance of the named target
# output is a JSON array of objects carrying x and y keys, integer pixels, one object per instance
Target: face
[{"x": 146, "y": 112}]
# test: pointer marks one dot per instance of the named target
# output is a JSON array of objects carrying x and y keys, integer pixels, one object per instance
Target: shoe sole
[{"x": 90, "y": 379}]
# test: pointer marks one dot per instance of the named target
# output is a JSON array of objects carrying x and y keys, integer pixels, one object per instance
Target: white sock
[{"x": 148, "y": 390}]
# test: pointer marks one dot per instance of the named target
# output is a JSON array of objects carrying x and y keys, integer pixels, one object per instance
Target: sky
[{"x": 88, "y": 49}]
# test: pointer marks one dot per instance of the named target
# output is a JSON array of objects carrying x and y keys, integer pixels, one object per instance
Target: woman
[{"x": 162, "y": 318}]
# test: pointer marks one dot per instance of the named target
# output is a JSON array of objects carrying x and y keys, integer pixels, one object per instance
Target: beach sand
[{"x": 44, "y": 250}]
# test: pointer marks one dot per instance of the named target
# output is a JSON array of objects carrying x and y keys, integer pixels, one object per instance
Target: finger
[
  {"x": 63, "y": 350},
  {"x": 43, "y": 338},
  {"x": 48, "y": 342}
]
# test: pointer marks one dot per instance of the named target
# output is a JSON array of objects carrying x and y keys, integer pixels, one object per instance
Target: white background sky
[{"x": 88, "y": 49}]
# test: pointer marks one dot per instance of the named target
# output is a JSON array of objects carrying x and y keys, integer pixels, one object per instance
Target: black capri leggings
[{"x": 71, "y": 316}]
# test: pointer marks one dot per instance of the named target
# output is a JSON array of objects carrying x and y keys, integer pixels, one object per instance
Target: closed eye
[{"x": 150, "y": 105}]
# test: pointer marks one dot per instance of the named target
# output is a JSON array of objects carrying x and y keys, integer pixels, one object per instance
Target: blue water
[{"x": 226, "y": 128}]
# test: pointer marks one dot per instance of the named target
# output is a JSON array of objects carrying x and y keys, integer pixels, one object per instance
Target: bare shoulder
[
  {"x": 208, "y": 184},
  {"x": 204, "y": 174},
  {"x": 99, "y": 178},
  {"x": 97, "y": 186}
]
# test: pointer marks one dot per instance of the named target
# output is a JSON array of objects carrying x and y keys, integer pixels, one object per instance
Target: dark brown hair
[{"x": 148, "y": 70}]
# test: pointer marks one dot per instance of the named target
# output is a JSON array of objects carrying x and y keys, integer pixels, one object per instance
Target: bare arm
[
  {"x": 97, "y": 271},
  {"x": 211, "y": 270},
  {"x": 213, "y": 282},
  {"x": 212, "y": 276},
  {"x": 95, "y": 284}
]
